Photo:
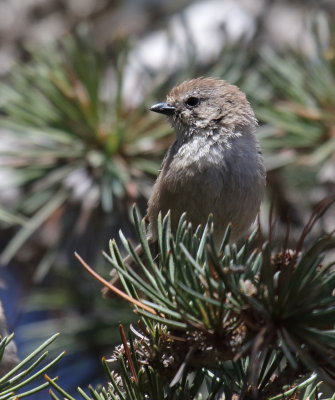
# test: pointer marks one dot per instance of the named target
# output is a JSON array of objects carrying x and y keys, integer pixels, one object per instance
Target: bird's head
[{"x": 207, "y": 104}]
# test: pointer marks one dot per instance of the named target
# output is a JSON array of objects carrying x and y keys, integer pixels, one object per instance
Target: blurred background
[{"x": 78, "y": 146}]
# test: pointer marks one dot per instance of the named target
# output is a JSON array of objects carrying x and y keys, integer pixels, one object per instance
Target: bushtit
[{"x": 215, "y": 166}]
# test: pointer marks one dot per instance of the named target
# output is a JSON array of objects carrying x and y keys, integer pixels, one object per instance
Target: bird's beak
[{"x": 163, "y": 108}]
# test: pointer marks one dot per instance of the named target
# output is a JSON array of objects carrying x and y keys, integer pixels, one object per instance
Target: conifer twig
[{"x": 112, "y": 287}]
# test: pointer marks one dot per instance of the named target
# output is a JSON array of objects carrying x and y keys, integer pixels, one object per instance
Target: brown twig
[
  {"x": 112, "y": 287},
  {"x": 318, "y": 212},
  {"x": 127, "y": 352}
]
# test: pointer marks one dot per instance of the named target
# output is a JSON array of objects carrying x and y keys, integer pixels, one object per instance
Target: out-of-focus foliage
[
  {"x": 79, "y": 160},
  {"x": 296, "y": 111},
  {"x": 300, "y": 106}
]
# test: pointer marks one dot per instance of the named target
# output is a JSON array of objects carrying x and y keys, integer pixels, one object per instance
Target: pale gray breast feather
[{"x": 237, "y": 151}]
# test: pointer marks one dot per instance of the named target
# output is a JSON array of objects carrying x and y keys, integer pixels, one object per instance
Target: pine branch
[
  {"x": 249, "y": 321},
  {"x": 13, "y": 383}
]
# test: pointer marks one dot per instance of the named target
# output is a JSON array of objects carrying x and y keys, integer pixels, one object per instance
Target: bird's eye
[{"x": 192, "y": 101}]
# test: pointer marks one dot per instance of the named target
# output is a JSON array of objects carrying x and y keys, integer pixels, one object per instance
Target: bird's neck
[{"x": 217, "y": 134}]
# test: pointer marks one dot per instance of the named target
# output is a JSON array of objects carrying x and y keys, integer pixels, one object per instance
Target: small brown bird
[{"x": 215, "y": 166}]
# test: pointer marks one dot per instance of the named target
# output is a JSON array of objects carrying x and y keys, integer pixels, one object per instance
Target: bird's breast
[
  {"x": 196, "y": 158},
  {"x": 206, "y": 176}
]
